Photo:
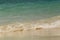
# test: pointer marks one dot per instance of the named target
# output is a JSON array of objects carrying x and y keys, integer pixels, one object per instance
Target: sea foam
[{"x": 51, "y": 23}]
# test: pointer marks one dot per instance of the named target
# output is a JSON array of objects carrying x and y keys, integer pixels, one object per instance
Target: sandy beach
[{"x": 43, "y": 34}]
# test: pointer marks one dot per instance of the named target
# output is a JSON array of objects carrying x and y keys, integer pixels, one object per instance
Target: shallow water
[
  {"x": 33, "y": 38},
  {"x": 26, "y": 11}
]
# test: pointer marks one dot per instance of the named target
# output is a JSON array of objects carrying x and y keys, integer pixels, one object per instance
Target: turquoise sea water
[{"x": 28, "y": 11}]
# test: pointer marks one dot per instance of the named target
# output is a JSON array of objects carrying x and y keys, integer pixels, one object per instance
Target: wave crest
[{"x": 48, "y": 23}]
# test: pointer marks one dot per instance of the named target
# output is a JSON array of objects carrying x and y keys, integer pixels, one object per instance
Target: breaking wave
[{"x": 19, "y": 26}]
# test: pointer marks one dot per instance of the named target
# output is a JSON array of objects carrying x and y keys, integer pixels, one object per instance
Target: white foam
[
  {"x": 30, "y": 26},
  {"x": 51, "y": 25}
]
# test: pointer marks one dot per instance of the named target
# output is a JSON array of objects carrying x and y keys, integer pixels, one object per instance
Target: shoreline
[{"x": 42, "y": 28}]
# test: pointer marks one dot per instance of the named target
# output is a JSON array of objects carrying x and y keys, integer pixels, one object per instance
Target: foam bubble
[{"x": 26, "y": 26}]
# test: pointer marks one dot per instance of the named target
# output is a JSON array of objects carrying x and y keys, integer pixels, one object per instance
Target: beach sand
[{"x": 43, "y": 34}]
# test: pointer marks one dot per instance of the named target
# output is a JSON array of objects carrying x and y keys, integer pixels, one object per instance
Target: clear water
[
  {"x": 33, "y": 38},
  {"x": 17, "y": 10},
  {"x": 28, "y": 11}
]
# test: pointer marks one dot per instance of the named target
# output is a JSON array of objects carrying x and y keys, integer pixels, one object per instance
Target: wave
[{"x": 20, "y": 26}]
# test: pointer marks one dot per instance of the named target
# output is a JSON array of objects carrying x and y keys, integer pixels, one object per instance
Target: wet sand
[
  {"x": 30, "y": 32},
  {"x": 43, "y": 34}
]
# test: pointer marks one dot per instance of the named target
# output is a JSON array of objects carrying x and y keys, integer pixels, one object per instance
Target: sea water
[
  {"x": 19, "y": 11},
  {"x": 28, "y": 11}
]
